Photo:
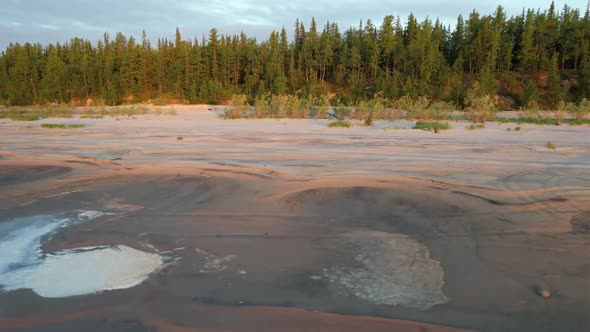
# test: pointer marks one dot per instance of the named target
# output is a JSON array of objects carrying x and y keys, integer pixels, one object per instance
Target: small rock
[
  {"x": 542, "y": 289},
  {"x": 180, "y": 138},
  {"x": 545, "y": 293}
]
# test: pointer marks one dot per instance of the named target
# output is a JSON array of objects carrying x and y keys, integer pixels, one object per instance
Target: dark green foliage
[
  {"x": 538, "y": 58},
  {"x": 53, "y": 126}
]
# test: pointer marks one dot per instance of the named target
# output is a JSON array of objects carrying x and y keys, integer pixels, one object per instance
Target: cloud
[{"x": 50, "y": 21}]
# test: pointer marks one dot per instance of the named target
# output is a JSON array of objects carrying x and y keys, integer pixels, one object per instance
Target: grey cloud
[{"x": 58, "y": 20}]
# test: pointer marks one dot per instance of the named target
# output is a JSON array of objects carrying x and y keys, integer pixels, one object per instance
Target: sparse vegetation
[
  {"x": 475, "y": 126},
  {"x": 239, "y": 108},
  {"x": 582, "y": 111},
  {"x": 53, "y": 126},
  {"x": 480, "y": 108},
  {"x": 128, "y": 111},
  {"x": 551, "y": 146},
  {"x": 34, "y": 113},
  {"x": 517, "y": 129},
  {"x": 432, "y": 126},
  {"x": 62, "y": 126},
  {"x": 339, "y": 124}
]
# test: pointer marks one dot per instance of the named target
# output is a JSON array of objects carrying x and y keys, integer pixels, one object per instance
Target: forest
[{"x": 536, "y": 59}]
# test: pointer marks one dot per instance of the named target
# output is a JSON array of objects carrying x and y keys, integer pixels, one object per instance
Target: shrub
[
  {"x": 62, "y": 126},
  {"x": 439, "y": 110},
  {"x": 323, "y": 106},
  {"x": 369, "y": 121},
  {"x": 239, "y": 107},
  {"x": 531, "y": 111},
  {"x": 262, "y": 106},
  {"x": 582, "y": 110},
  {"x": 563, "y": 108},
  {"x": 376, "y": 109},
  {"x": 342, "y": 112},
  {"x": 480, "y": 108},
  {"x": 53, "y": 126},
  {"x": 362, "y": 110},
  {"x": 551, "y": 146},
  {"x": 415, "y": 108},
  {"x": 431, "y": 126},
  {"x": 339, "y": 124}
]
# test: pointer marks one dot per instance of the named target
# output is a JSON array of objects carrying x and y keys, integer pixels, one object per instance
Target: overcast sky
[{"x": 53, "y": 21}]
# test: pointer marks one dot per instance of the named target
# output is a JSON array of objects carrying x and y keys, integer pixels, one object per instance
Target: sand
[{"x": 287, "y": 225}]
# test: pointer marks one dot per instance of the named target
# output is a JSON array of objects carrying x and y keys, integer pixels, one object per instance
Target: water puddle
[{"x": 23, "y": 264}]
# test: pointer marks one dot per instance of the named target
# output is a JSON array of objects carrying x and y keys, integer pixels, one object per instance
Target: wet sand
[{"x": 287, "y": 225}]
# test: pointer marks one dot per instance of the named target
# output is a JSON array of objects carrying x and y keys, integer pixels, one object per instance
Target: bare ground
[{"x": 283, "y": 225}]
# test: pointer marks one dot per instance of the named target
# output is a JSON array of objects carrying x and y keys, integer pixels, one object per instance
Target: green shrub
[
  {"x": 551, "y": 146},
  {"x": 480, "y": 108},
  {"x": 563, "y": 108},
  {"x": 239, "y": 107},
  {"x": 415, "y": 108},
  {"x": 431, "y": 126},
  {"x": 53, "y": 126},
  {"x": 582, "y": 110},
  {"x": 342, "y": 112},
  {"x": 323, "y": 103},
  {"x": 62, "y": 126},
  {"x": 339, "y": 124},
  {"x": 262, "y": 106}
]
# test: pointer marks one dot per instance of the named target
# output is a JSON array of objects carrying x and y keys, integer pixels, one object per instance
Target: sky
[{"x": 50, "y": 21}]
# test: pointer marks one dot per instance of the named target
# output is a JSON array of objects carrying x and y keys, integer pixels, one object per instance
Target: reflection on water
[{"x": 68, "y": 272}]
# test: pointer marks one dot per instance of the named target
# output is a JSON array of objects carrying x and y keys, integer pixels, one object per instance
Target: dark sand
[{"x": 288, "y": 226}]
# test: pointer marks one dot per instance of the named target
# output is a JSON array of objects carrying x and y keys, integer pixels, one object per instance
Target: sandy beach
[{"x": 288, "y": 225}]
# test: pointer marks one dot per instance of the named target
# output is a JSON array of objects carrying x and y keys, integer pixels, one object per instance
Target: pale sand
[{"x": 262, "y": 212}]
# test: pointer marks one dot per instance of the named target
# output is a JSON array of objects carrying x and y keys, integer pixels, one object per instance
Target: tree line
[{"x": 538, "y": 57}]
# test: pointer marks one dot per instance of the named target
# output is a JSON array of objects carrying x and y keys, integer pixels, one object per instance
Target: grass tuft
[
  {"x": 53, "y": 126},
  {"x": 474, "y": 126},
  {"x": 62, "y": 126},
  {"x": 551, "y": 146},
  {"x": 339, "y": 124},
  {"x": 432, "y": 126}
]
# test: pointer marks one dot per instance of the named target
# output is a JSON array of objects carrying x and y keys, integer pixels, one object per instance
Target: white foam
[
  {"x": 85, "y": 271},
  {"x": 86, "y": 215},
  {"x": 69, "y": 272}
]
